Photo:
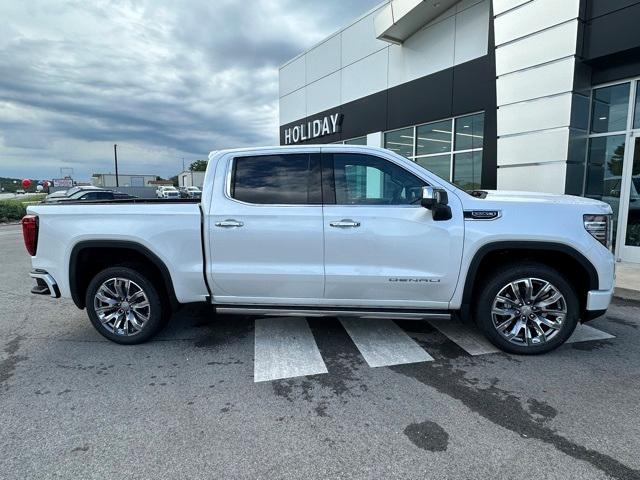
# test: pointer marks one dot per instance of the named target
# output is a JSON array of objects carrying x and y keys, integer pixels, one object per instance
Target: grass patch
[{"x": 13, "y": 210}]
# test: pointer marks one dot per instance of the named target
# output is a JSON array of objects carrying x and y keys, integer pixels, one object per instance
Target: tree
[{"x": 198, "y": 166}]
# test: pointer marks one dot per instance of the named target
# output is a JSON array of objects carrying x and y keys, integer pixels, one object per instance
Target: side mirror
[
  {"x": 432, "y": 197},
  {"x": 436, "y": 200}
]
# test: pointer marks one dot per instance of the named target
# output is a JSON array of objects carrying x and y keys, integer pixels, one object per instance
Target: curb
[{"x": 627, "y": 294}]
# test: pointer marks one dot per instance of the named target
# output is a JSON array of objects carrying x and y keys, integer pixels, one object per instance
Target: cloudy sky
[{"x": 164, "y": 79}]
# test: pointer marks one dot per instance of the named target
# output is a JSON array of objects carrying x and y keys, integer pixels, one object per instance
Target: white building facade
[
  {"x": 124, "y": 180},
  {"x": 191, "y": 179},
  {"x": 539, "y": 95}
]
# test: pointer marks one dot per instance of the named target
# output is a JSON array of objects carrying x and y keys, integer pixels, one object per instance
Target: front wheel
[
  {"x": 124, "y": 305},
  {"x": 527, "y": 308}
]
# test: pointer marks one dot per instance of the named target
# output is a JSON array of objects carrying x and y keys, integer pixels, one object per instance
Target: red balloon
[
  {"x": 46, "y": 184},
  {"x": 26, "y": 182}
]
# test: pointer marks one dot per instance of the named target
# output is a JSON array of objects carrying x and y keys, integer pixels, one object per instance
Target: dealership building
[{"x": 539, "y": 95}]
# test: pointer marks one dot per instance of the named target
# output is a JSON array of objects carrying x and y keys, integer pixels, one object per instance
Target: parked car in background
[
  {"x": 167, "y": 191},
  {"x": 190, "y": 192},
  {"x": 20, "y": 192},
  {"x": 332, "y": 230},
  {"x": 58, "y": 194},
  {"x": 88, "y": 194}
]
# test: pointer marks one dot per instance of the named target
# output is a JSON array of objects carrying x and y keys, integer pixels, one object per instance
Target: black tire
[
  {"x": 156, "y": 311},
  {"x": 501, "y": 278}
]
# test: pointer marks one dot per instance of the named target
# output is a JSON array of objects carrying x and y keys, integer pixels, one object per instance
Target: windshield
[
  {"x": 73, "y": 190},
  {"x": 80, "y": 192}
]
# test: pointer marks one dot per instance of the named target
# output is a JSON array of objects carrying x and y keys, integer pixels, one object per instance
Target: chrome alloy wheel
[
  {"x": 122, "y": 306},
  {"x": 529, "y": 311}
]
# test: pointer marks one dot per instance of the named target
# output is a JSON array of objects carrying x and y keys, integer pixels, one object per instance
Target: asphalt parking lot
[{"x": 187, "y": 405}]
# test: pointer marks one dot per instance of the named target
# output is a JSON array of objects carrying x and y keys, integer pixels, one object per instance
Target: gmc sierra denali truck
[{"x": 331, "y": 230}]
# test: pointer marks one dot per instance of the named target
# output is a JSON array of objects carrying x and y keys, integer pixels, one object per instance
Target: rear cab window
[{"x": 279, "y": 179}]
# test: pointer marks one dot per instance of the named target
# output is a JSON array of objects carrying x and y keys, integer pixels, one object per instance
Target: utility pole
[{"x": 115, "y": 156}]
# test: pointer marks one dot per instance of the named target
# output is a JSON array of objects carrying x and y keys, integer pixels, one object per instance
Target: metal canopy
[{"x": 400, "y": 19}]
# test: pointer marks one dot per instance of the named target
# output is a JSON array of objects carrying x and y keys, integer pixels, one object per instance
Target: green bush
[{"x": 11, "y": 211}]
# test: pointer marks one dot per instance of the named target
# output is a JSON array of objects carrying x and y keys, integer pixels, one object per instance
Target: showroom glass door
[
  {"x": 613, "y": 161},
  {"x": 629, "y": 223}
]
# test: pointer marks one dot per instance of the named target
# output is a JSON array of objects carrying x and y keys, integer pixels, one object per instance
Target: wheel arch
[
  {"x": 112, "y": 252},
  {"x": 564, "y": 258}
]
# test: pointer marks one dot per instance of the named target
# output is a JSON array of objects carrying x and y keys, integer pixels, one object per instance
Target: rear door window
[{"x": 285, "y": 179}]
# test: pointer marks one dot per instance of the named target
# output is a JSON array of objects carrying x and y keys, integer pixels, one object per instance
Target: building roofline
[{"x": 340, "y": 30}]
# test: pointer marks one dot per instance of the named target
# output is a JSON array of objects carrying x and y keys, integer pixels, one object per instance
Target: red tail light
[{"x": 30, "y": 233}]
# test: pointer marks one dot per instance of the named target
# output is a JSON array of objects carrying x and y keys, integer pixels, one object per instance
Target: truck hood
[{"x": 513, "y": 197}]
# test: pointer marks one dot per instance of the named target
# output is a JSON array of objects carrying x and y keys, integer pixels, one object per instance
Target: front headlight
[{"x": 599, "y": 226}]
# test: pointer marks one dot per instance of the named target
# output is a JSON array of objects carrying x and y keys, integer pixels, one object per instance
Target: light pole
[{"x": 115, "y": 156}]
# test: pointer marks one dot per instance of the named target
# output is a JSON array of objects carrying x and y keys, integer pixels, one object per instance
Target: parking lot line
[
  {"x": 467, "y": 337},
  {"x": 586, "y": 333},
  {"x": 285, "y": 348},
  {"x": 382, "y": 343}
]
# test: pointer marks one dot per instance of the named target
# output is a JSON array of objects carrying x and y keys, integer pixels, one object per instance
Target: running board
[{"x": 333, "y": 312}]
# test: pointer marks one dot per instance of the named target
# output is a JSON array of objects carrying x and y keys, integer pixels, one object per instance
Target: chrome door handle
[
  {"x": 229, "y": 223},
  {"x": 345, "y": 224}
]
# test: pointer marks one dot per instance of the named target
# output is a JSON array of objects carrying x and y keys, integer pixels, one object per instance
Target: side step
[{"x": 396, "y": 314}]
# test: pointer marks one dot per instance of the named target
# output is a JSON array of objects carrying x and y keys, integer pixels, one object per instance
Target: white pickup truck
[{"x": 331, "y": 230}]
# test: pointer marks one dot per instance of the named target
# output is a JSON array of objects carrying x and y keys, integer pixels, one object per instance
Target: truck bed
[{"x": 170, "y": 229}]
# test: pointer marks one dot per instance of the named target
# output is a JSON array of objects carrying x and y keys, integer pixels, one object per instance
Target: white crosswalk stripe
[
  {"x": 586, "y": 333},
  {"x": 383, "y": 343},
  {"x": 471, "y": 339},
  {"x": 285, "y": 348},
  {"x": 467, "y": 337}
]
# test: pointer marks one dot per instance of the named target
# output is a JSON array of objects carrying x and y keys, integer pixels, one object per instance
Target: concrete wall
[
  {"x": 536, "y": 44},
  {"x": 191, "y": 179},
  {"x": 109, "y": 180}
]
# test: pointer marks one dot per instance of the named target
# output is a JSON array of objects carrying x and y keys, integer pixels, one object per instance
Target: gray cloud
[{"x": 164, "y": 79}]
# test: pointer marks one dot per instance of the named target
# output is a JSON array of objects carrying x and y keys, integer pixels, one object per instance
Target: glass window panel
[
  {"x": 438, "y": 164},
  {"x": 604, "y": 171},
  {"x": 369, "y": 180},
  {"x": 636, "y": 121},
  {"x": 469, "y": 132},
  {"x": 356, "y": 141},
  {"x": 434, "y": 138},
  {"x": 400, "y": 141},
  {"x": 633, "y": 219},
  {"x": 272, "y": 179},
  {"x": 610, "y": 109},
  {"x": 467, "y": 170}
]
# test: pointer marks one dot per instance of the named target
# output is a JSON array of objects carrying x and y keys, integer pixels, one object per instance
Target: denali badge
[{"x": 415, "y": 280}]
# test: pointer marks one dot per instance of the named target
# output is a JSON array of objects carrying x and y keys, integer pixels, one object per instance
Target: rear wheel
[
  {"x": 124, "y": 305},
  {"x": 527, "y": 309}
]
